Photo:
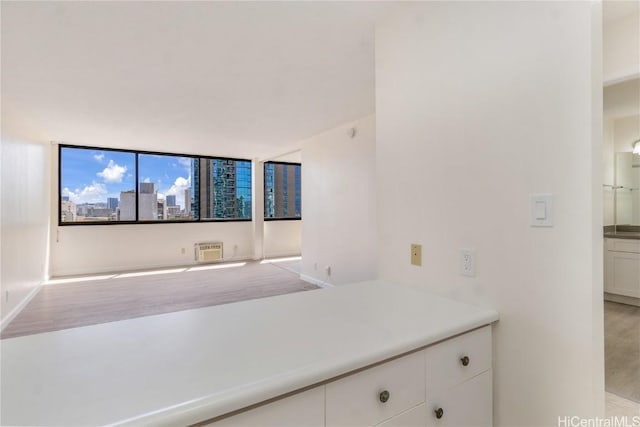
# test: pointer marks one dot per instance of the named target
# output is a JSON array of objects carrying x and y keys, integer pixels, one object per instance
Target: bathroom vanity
[
  {"x": 370, "y": 353},
  {"x": 622, "y": 265}
]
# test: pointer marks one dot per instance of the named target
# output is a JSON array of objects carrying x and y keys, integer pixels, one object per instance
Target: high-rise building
[
  {"x": 224, "y": 188},
  {"x": 206, "y": 188},
  {"x": 282, "y": 183},
  {"x": 162, "y": 209},
  {"x": 67, "y": 211},
  {"x": 192, "y": 207},
  {"x": 224, "y": 193},
  {"x": 127, "y": 206},
  {"x": 112, "y": 203},
  {"x": 147, "y": 202},
  {"x": 171, "y": 200},
  {"x": 65, "y": 198},
  {"x": 188, "y": 204}
]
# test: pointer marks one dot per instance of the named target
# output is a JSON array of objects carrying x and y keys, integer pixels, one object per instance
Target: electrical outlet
[
  {"x": 327, "y": 269},
  {"x": 183, "y": 251},
  {"x": 467, "y": 262},
  {"x": 416, "y": 254}
]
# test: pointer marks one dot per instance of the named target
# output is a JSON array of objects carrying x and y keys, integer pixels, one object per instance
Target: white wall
[
  {"x": 282, "y": 238},
  {"x": 621, "y": 48},
  {"x": 338, "y": 204},
  {"x": 626, "y": 131},
  {"x": 105, "y": 248},
  {"x": 25, "y": 221},
  {"x": 480, "y": 104}
]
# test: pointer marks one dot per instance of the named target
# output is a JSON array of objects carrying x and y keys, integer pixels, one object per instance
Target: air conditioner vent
[{"x": 208, "y": 252}]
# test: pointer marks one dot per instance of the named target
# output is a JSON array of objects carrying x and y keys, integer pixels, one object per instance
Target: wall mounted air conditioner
[{"x": 208, "y": 252}]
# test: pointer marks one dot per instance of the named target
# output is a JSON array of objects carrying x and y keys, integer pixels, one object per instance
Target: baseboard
[
  {"x": 21, "y": 305},
  {"x": 281, "y": 255},
  {"x": 315, "y": 281},
  {"x": 622, "y": 299}
]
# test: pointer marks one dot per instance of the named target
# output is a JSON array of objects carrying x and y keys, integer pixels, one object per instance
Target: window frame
[
  {"x": 264, "y": 191},
  {"x": 136, "y": 153}
]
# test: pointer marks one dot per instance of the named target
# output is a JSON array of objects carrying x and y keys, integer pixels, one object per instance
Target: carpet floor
[
  {"x": 126, "y": 296},
  {"x": 622, "y": 350}
]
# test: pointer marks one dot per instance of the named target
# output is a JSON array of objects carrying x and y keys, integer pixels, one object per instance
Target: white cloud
[
  {"x": 94, "y": 193},
  {"x": 147, "y": 179},
  {"x": 99, "y": 157},
  {"x": 113, "y": 172}
]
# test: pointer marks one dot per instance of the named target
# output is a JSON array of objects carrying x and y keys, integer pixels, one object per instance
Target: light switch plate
[{"x": 541, "y": 210}]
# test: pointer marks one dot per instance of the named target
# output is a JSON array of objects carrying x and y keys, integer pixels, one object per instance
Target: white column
[{"x": 257, "y": 208}]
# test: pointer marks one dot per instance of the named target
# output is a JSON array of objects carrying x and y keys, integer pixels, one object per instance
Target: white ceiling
[{"x": 222, "y": 78}]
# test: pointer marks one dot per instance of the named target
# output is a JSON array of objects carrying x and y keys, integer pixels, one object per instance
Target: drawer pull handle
[
  {"x": 384, "y": 396},
  {"x": 465, "y": 361},
  {"x": 439, "y": 413}
]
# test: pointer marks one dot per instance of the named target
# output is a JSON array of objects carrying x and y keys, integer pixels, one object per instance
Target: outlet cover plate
[
  {"x": 416, "y": 254},
  {"x": 467, "y": 262}
]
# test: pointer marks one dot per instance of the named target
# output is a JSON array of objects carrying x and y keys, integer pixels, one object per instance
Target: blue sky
[{"x": 91, "y": 176}]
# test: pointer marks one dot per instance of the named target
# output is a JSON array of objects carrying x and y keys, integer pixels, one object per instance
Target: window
[
  {"x": 282, "y": 191},
  {"x": 108, "y": 186},
  {"x": 225, "y": 189},
  {"x": 93, "y": 182},
  {"x": 165, "y": 188}
]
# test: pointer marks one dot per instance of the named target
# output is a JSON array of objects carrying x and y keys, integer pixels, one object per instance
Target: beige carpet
[
  {"x": 622, "y": 350},
  {"x": 70, "y": 305}
]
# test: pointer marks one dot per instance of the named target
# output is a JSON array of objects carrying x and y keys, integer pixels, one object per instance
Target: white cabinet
[
  {"x": 622, "y": 267},
  {"x": 457, "y": 359},
  {"x": 410, "y": 418},
  {"x": 376, "y": 394},
  {"x": 467, "y": 404},
  {"x": 301, "y": 409},
  {"x": 445, "y": 384},
  {"x": 458, "y": 380}
]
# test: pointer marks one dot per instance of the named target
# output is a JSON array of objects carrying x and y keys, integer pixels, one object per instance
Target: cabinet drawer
[
  {"x": 302, "y": 409},
  {"x": 411, "y": 418},
  {"x": 355, "y": 400},
  {"x": 445, "y": 367},
  {"x": 467, "y": 404},
  {"x": 623, "y": 245}
]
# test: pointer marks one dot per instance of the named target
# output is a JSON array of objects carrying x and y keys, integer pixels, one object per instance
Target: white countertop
[{"x": 184, "y": 367}]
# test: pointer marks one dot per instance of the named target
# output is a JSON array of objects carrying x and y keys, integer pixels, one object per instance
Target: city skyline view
[
  {"x": 99, "y": 185},
  {"x": 93, "y": 175}
]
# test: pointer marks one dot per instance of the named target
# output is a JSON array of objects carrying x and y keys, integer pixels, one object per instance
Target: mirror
[{"x": 627, "y": 195}]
